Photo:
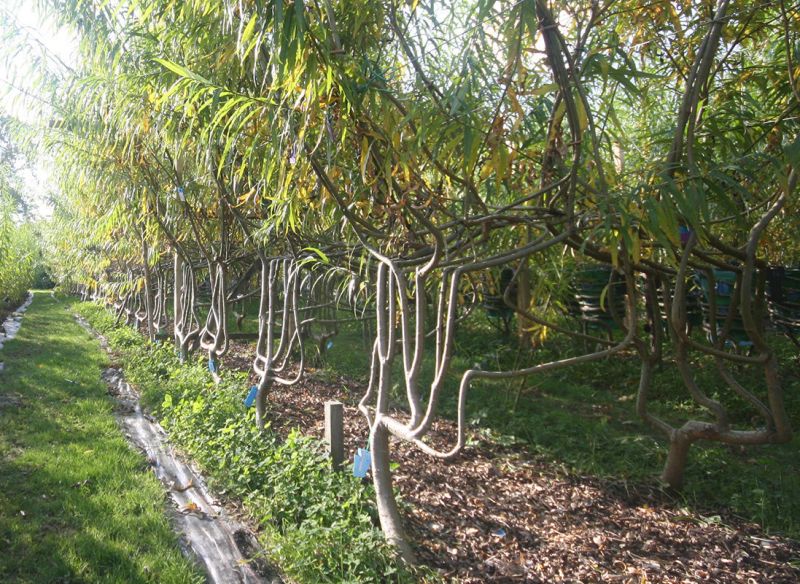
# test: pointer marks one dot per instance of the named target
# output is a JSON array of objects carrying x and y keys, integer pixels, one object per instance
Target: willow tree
[
  {"x": 414, "y": 200},
  {"x": 728, "y": 172},
  {"x": 427, "y": 146}
]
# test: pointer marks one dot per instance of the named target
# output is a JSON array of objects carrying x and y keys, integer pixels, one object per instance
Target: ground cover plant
[
  {"x": 584, "y": 418},
  {"x": 76, "y": 502}
]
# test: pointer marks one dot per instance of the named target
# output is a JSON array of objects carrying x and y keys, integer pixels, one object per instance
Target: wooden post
[{"x": 334, "y": 432}]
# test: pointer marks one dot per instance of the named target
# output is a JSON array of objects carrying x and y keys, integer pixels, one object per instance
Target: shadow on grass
[{"x": 76, "y": 503}]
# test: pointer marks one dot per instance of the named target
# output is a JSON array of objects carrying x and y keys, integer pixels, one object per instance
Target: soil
[{"x": 498, "y": 514}]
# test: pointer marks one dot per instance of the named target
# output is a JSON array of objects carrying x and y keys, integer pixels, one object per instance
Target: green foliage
[
  {"x": 319, "y": 526},
  {"x": 19, "y": 250},
  {"x": 18, "y": 254},
  {"x": 20, "y": 257}
]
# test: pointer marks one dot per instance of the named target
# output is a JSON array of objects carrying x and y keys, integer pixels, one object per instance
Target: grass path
[{"x": 77, "y": 504}]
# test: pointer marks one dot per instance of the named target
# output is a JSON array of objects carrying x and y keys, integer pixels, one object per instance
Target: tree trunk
[
  {"x": 148, "y": 292},
  {"x": 176, "y": 305},
  {"x": 387, "y": 507}
]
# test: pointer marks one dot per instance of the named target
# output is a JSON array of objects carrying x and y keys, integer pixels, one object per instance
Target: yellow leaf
[
  {"x": 614, "y": 250},
  {"x": 637, "y": 247},
  {"x": 245, "y": 197},
  {"x": 364, "y": 157},
  {"x": 502, "y": 161},
  {"x": 487, "y": 169},
  {"x": 583, "y": 118}
]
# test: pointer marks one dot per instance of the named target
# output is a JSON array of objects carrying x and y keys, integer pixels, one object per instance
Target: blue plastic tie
[
  {"x": 212, "y": 366},
  {"x": 251, "y": 397},
  {"x": 361, "y": 463}
]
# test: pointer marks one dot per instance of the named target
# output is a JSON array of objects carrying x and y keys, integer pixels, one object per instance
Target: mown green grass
[{"x": 77, "y": 504}]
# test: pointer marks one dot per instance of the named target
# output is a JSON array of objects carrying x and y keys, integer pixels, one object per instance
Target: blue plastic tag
[
  {"x": 212, "y": 366},
  {"x": 329, "y": 345},
  {"x": 251, "y": 397},
  {"x": 361, "y": 463}
]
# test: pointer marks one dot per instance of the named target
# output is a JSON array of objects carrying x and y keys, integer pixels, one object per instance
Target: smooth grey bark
[
  {"x": 271, "y": 363},
  {"x": 148, "y": 291}
]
